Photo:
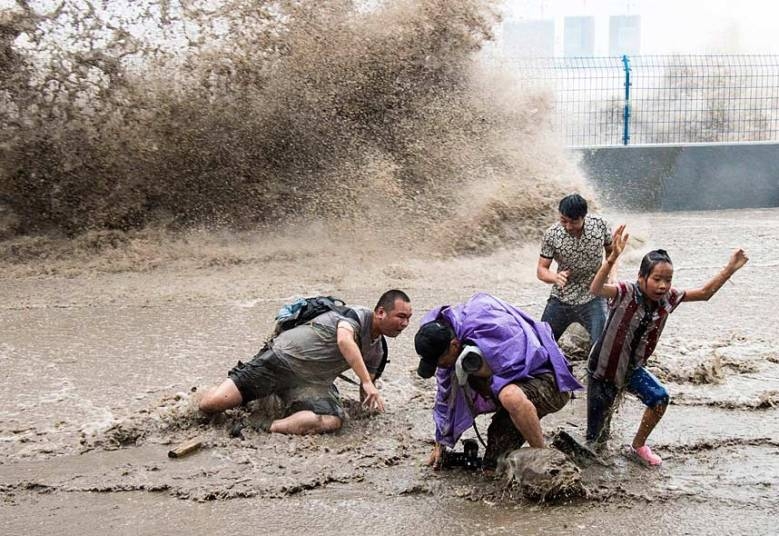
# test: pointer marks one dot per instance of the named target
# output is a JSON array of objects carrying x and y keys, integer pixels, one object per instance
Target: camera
[
  {"x": 471, "y": 360},
  {"x": 467, "y": 459}
]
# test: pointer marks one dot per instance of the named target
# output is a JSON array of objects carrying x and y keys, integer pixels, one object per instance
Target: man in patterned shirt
[{"x": 576, "y": 243}]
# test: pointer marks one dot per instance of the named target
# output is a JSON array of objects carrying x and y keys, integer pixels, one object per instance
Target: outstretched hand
[
  {"x": 371, "y": 398},
  {"x": 738, "y": 259},
  {"x": 434, "y": 460},
  {"x": 618, "y": 241}
]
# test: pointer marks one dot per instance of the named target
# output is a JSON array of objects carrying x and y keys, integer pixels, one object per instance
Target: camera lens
[{"x": 471, "y": 362}]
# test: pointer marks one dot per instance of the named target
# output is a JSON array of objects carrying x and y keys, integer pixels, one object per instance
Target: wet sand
[{"x": 101, "y": 368}]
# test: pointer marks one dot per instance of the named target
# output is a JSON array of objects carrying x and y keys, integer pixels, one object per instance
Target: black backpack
[{"x": 307, "y": 309}]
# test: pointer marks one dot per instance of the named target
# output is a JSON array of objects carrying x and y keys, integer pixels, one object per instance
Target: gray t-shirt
[
  {"x": 583, "y": 256},
  {"x": 311, "y": 349}
]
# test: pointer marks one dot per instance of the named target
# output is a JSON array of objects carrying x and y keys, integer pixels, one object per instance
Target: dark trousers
[{"x": 591, "y": 315}]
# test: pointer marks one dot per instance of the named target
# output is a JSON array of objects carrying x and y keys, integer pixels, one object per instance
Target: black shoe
[{"x": 579, "y": 451}]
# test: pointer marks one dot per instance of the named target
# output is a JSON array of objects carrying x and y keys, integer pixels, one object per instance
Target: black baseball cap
[{"x": 430, "y": 342}]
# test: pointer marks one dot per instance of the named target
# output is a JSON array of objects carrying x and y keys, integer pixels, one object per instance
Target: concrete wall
[{"x": 692, "y": 177}]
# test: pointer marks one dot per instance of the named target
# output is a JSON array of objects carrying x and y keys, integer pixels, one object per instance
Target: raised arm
[
  {"x": 353, "y": 356},
  {"x": 737, "y": 259},
  {"x": 608, "y": 248},
  {"x": 599, "y": 287}
]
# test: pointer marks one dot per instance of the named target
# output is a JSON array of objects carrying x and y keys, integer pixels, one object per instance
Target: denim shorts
[
  {"x": 602, "y": 395},
  {"x": 647, "y": 388}
]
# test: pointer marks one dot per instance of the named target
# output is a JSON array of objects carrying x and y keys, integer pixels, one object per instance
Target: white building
[
  {"x": 570, "y": 28},
  {"x": 616, "y": 27}
]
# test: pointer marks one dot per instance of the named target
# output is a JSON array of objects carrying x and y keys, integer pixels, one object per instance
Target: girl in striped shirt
[{"x": 637, "y": 314}]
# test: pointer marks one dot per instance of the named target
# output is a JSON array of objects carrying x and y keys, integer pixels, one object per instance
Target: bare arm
[
  {"x": 612, "y": 278},
  {"x": 353, "y": 356},
  {"x": 363, "y": 394},
  {"x": 737, "y": 259},
  {"x": 546, "y": 275},
  {"x": 599, "y": 287}
]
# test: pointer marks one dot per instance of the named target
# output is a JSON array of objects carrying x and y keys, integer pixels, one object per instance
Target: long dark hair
[{"x": 652, "y": 259}]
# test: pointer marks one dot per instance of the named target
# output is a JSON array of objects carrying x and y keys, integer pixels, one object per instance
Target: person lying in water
[
  {"x": 637, "y": 315},
  {"x": 491, "y": 357},
  {"x": 301, "y": 364}
]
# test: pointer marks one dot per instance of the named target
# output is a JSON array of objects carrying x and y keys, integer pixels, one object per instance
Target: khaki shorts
[
  {"x": 542, "y": 392},
  {"x": 322, "y": 400},
  {"x": 502, "y": 435}
]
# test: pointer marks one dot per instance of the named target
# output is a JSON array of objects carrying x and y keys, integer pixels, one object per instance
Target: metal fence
[{"x": 659, "y": 99}]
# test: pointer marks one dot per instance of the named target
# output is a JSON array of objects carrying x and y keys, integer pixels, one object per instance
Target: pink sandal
[{"x": 646, "y": 454}]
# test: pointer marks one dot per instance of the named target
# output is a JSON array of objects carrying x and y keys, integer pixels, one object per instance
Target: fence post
[{"x": 626, "y": 111}]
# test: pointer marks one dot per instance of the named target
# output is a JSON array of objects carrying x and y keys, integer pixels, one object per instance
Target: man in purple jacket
[{"x": 489, "y": 356}]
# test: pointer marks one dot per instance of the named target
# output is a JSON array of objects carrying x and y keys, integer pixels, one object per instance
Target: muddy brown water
[{"x": 100, "y": 368}]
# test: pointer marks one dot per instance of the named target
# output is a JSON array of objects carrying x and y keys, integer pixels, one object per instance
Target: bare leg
[
  {"x": 523, "y": 414},
  {"x": 648, "y": 422},
  {"x": 220, "y": 398},
  {"x": 306, "y": 422}
]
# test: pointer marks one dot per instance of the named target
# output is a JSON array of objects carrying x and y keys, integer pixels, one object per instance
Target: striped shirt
[{"x": 631, "y": 332}]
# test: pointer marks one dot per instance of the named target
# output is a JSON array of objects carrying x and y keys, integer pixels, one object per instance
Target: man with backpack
[{"x": 301, "y": 363}]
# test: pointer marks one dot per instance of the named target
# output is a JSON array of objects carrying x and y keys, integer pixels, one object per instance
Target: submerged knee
[
  {"x": 328, "y": 423},
  {"x": 206, "y": 405},
  {"x": 224, "y": 397}
]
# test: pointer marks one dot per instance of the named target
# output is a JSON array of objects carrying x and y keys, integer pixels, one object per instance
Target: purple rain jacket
[{"x": 515, "y": 347}]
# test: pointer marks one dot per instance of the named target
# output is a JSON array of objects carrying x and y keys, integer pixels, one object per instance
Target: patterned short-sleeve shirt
[
  {"x": 631, "y": 333},
  {"x": 582, "y": 256}
]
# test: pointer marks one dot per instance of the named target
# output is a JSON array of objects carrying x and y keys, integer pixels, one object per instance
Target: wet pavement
[{"x": 101, "y": 368}]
